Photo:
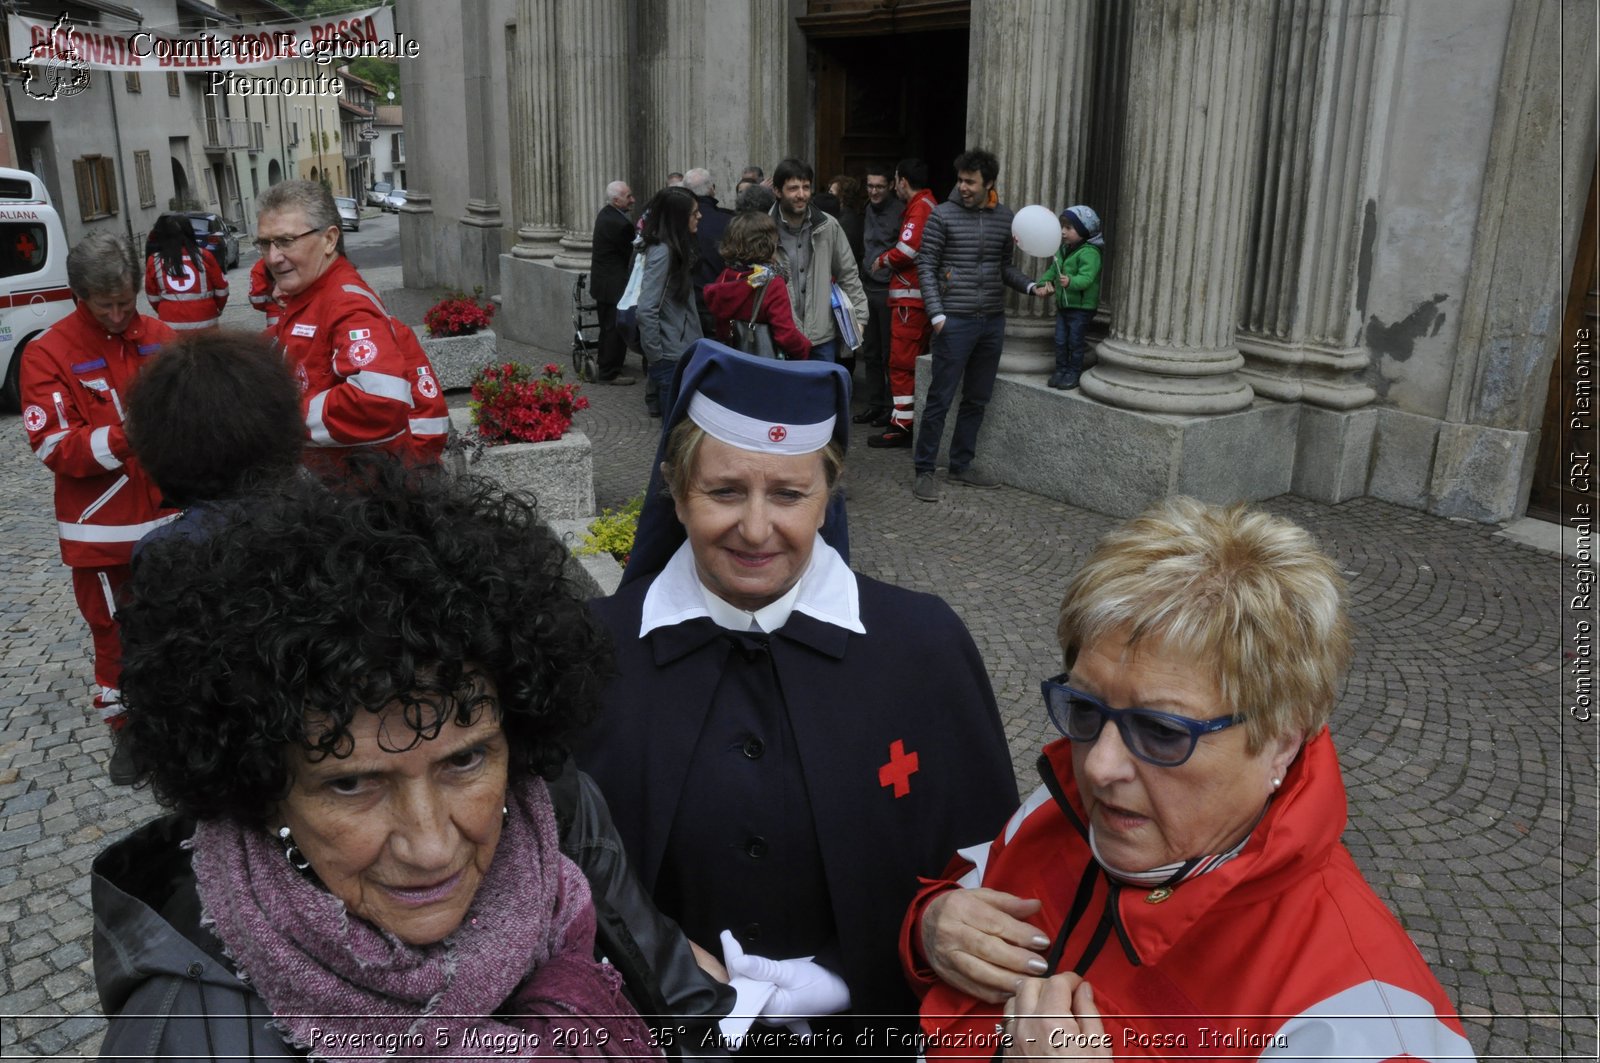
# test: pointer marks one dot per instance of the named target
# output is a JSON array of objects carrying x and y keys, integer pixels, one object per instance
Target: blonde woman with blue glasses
[{"x": 1177, "y": 887}]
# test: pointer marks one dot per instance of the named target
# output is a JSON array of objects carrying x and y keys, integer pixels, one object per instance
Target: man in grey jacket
[
  {"x": 814, "y": 253},
  {"x": 964, "y": 267}
]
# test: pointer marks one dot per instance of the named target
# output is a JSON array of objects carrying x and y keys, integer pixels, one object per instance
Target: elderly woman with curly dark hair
[
  {"x": 352, "y": 702},
  {"x": 1176, "y": 888}
]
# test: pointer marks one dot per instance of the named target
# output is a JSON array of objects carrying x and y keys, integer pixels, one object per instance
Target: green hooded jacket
[{"x": 1079, "y": 271}]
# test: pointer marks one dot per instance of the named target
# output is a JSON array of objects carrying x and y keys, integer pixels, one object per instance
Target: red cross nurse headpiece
[{"x": 756, "y": 404}]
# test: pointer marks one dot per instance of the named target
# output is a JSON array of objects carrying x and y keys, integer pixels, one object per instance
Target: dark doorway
[
  {"x": 1563, "y": 477},
  {"x": 884, "y": 97}
]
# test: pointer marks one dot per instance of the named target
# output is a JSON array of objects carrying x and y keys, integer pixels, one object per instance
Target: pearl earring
[{"x": 1276, "y": 783}]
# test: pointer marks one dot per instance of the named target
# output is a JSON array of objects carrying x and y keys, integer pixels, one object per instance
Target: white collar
[{"x": 826, "y": 591}]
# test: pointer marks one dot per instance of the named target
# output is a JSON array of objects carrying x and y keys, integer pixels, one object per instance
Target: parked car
[
  {"x": 378, "y": 191},
  {"x": 349, "y": 213},
  {"x": 394, "y": 200},
  {"x": 215, "y": 233}
]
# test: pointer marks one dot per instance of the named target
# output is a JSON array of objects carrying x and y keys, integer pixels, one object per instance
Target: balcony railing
[{"x": 226, "y": 134}]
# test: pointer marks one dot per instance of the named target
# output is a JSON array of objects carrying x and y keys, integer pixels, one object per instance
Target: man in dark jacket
[
  {"x": 964, "y": 267},
  {"x": 713, "y": 223},
  {"x": 608, "y": 276},
  {"x": 880, "y": 226}
]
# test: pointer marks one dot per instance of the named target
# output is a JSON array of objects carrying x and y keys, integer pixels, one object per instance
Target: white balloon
[{"x": 1037, "y": 231}]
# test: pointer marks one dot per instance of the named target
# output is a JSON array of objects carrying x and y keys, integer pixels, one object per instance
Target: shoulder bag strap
[{"x": 762, "y": 294}]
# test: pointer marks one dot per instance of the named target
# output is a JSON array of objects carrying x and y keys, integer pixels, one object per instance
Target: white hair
[
  {"x": 698, "y": 181},
  {"x": 615, "y": 189}
]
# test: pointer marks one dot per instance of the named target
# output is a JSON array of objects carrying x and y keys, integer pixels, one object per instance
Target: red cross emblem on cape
[
  {"x": 777, "y": 433},
  {"x": 897, "y": 773}
]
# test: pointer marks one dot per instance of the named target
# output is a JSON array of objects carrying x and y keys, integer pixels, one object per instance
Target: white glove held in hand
[{"x": 804, "y": 988}]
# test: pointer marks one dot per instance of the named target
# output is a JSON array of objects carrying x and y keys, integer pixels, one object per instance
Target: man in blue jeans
[{"x": 964, "y": 267}]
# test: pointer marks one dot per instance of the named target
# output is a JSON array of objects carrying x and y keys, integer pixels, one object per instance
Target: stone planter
[
  {"x": 560, "y": 473},
  {"x": 457, "y": 359}
]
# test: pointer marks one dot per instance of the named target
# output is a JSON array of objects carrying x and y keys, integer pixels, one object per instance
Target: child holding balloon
[{"x": 1074, "y": 278}]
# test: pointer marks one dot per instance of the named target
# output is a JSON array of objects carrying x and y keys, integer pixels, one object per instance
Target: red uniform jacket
[
  {"x": 730, "y": 296},
  {"x": 430, "y": 419},
  {"x": 1284, "y": 947},
  {"x": 360, "y": 381},
  {"x": 75, "y": 379},
  {"x": 193, "y": 300},
  {"x": 261, "y": 292},
  {"x": 901, "y": 259}
]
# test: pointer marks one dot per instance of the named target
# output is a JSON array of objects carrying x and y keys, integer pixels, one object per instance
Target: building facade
[
  {"x": 389, "y": 149},
  {"x": 1343, "y": 233},
  {"x": 135, "y": 144}
]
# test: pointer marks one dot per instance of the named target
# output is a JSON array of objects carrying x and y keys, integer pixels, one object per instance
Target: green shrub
[{"x": 613, "y": 530}]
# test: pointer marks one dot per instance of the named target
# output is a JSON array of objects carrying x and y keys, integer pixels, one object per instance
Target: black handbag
[{"x": 755, "y": 339}]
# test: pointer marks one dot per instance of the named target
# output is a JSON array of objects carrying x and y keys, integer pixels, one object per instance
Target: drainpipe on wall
[{"x": 122, "y": 170}]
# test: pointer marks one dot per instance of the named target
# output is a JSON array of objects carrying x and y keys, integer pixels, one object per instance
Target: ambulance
[{"x": 33, "y": 273}]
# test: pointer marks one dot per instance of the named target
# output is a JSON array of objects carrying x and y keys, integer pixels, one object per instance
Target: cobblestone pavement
[{"x": 1472, "y": 791}]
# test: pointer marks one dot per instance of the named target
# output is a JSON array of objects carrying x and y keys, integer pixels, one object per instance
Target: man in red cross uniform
[
  {"x": 75, "y": 380},
  {"x": 360, "y": 381},
  {"x": 908, "y": 321}
]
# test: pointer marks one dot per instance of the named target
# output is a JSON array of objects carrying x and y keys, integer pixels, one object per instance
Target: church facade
[{"x": 1350, "y": 243}]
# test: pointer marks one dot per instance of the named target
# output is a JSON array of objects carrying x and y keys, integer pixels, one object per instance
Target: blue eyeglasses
[{"x": 1158, "y": 738}]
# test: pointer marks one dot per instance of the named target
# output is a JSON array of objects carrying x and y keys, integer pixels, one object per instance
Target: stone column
[
  {"x": 534, "y": 71},
  {"x": 767, "y": 115},
  {"x": 1107, "y": 125},
  {"x": 1029, "y": 103},
  {"x": 669, "y": 75},
  {"x": 480, "y": 225},
  {"x": 596, "y": 116},
  {"x": 1332, "y": 69},
  {"x": 417, "y": 244},
  {"x": 1193, "y": 116}
]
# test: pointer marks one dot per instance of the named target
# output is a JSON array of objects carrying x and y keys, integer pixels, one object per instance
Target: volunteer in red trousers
[
  {"x": 358, "y": 383},
  {"x": 908, "y": 321},
  {"x": 74, "y": 383},
  {"x": 186, "y": 287}
]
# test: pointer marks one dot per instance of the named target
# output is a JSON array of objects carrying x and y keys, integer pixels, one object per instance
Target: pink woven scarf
[{"x": 343, "y": 989}]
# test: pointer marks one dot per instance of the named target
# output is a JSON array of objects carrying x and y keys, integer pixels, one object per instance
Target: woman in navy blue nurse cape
[{"x": 789, "y": 745}]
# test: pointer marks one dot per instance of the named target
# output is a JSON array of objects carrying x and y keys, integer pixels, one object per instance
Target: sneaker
[
  {"x": 894, "y": 437},
  {"x": 926, "y": 489},
  {"x": 121, "y": 768},
  {"x": 974, "y": 478}
]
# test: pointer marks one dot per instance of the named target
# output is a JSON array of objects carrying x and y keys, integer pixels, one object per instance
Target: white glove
[{"x": 804, "y": 987}]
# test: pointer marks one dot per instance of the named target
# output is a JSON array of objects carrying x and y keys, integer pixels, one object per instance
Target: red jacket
[
  {"x": 75, "y": 379},
  {"x": 1279, "y": 946},
  {"x": 359, "y": 380},
  {"x": 261, "y": 292},
  {"x": 731, "y": 296},
  {"x": 191, "y": 301},
  {"x": 430, "y": 418},
  {"x": 901, "y": 259}
]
